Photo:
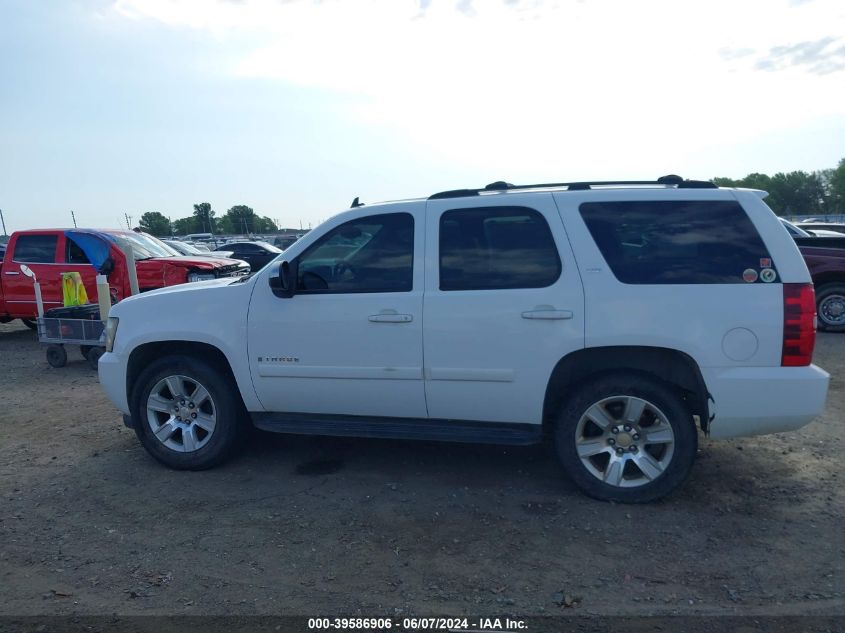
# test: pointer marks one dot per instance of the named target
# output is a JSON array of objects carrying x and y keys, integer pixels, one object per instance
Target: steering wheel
[{"x": 341, "y": 267}]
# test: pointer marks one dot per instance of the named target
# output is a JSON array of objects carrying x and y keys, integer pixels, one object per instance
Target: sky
[{"x": 295, "y": 107}]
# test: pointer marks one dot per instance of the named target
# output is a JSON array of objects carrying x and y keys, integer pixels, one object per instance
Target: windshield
[
  {"x": 182, "y": 247},
  {"x": 146, "y": 246}
]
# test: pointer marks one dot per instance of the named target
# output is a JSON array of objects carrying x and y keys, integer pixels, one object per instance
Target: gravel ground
[{"x": 89, "y": 524}]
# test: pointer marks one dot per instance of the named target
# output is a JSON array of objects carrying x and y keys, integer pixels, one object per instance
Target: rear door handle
[
  {"x": 391, "y": 318},
  {"x": 548, "y": 314}
]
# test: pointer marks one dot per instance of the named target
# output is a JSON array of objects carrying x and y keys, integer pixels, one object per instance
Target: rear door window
[
  {"x": 36, "y": 249},
  {"x": 486, "y": 248},
  {"x": 678, "y": 242}
]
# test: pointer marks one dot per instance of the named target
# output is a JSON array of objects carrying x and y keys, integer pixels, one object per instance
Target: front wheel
[
  {"x": 187, "y": 413},
  {"x": 830, "y": 307},
  {"x": 626, "y": 437},
  {"x": 30, "y": 323}
]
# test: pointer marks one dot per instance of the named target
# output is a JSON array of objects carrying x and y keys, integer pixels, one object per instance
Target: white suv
[{"x": 618, "y": 320}]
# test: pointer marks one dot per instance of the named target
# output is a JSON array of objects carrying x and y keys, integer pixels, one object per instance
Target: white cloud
[{"x": 561, "y": 84}]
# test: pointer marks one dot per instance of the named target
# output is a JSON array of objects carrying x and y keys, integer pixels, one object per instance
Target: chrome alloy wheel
[
  {"x": 181, "y": 413},
  {"x": 624, "y": 441},
  {"x": 832, "y": 310}
]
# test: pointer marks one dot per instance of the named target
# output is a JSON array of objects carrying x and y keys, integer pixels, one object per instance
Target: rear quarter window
[{"x": 677, "y": 242}]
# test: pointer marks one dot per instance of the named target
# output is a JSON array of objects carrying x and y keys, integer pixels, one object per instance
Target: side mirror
[
  {"x": 26, "y": 270},
  {"x": 283, "y": 280}
]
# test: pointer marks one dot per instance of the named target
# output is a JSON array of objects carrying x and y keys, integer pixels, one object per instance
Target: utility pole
[
  {"x": 3, "y": 221},
  {"x": 73, "y": 217}
]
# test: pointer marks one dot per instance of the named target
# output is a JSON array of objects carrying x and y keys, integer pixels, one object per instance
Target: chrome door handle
[
  {"x": 9, "y": 272},
  {"x": 548, "y": 314},
  {"x": 391, "y": 318}
]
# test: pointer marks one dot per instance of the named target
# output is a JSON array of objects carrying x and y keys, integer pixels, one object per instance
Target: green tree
[
  {"x": 836, "y": 188},
  {"x": 241, "y": 219},
  {"x": 268, "y": 225},
  {"x": 184, "y": 226},
  {"x": 204, "y": 215},
  {"x": 796, "y": 193},
  {"x": 155, "y": 223}
]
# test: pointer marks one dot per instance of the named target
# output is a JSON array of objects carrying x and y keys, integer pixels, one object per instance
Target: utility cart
[
  {"x": 73, "y": 325},
  {"x": 58, "y": 331}
]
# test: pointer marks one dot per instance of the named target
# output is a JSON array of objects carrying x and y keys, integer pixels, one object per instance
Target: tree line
[
  {"x": 799, "y": 192},
  {"x": 239, "y": 219}
]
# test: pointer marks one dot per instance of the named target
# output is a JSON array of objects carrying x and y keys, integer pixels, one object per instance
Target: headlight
[
  {"x": 200, "y": 276},
  {"x": 111, "y": 331}
]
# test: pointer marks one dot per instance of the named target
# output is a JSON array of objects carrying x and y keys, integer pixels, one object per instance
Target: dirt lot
[{"x": 90, "y": 524}]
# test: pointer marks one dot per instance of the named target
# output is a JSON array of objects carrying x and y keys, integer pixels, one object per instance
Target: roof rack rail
[{"x": 670, "y": 180}]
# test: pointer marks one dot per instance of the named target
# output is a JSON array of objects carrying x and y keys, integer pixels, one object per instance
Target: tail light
[{"x": 799, "y": 325}]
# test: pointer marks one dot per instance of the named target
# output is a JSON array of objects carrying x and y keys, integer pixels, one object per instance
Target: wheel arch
[
  {"x": 673, "y": 367},
  {"x": 146, "y": 353}
]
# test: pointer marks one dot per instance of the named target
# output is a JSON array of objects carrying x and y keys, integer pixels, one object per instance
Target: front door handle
[
  {"x": 390, "y": 317},
  {"x": 10, "y": 272},
  {"x": 548, "y": 314}
]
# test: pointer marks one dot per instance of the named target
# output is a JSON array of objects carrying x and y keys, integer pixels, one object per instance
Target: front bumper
[
  {"x": 112, "y": 373},
  {"x": 760, "y": 400}
]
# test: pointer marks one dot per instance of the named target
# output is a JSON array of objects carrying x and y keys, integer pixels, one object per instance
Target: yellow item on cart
[{"x": 73, "y": 291}]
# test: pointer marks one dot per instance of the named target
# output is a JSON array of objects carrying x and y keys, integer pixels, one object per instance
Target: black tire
[
  {"x": 30, "y": 323},
  {"x": 829, "y": 296},
  {"x": 93, "y": 356},
  {"x": 229, "y": 428},
  {"x": 56, "y": 356},
  {"x": 610, "y": 389},
  {"x": 84, "y": 349}
]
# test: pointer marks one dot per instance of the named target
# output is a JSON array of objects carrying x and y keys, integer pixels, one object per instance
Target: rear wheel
[
  {"x": 30, "y": 323},
  {"x": 188, "y": 414},
  {"x": 93, "y": 356},
  {"x": 56, "y": 355},
  {"x": 626, "y": 437},
  {"x": 830, "y": 307}
]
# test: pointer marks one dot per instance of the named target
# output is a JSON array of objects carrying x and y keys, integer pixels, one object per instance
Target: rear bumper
[{"x": 760, "y": 400}]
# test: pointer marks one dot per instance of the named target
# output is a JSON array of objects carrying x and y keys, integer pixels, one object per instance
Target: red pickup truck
[
  {"x": 50, "y": 252},
  {"x": 825, "y": 259}
]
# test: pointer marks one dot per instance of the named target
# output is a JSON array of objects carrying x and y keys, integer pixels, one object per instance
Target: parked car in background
[
  {"x": 285, "y": 241},
  {"x": 838, "y": 227},
  {"x": 825, "y": 259},
  {"x": 186, "y": 248},
  {"x": 256, "y": 254},
  {"x": 50, "y": 252},
  {"x": 616, "y": 321},
  {"x": 801, "y": 231}
]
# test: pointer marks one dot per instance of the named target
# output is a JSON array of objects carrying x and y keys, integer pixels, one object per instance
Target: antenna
[{"x": 73, "y": 217}]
